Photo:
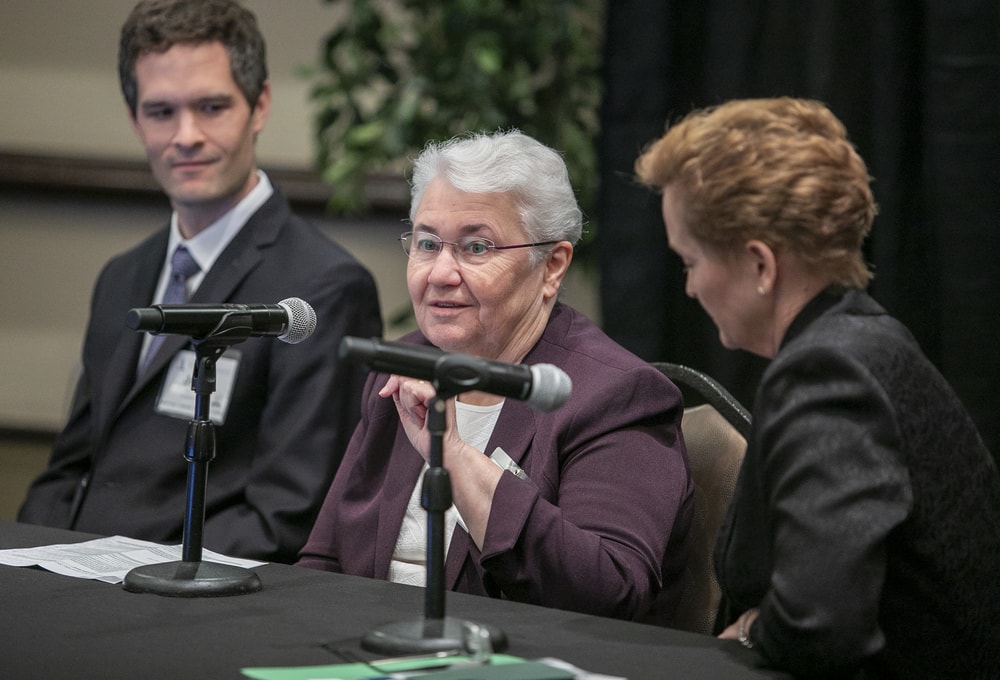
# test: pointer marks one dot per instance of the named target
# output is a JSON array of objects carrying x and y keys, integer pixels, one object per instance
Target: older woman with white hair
[{"x": 593, "y": 515}]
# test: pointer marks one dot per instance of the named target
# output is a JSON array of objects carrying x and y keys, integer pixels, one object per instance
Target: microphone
[
  {"x": 291, "y": 320},
  {"x": 545, "y": 387}
]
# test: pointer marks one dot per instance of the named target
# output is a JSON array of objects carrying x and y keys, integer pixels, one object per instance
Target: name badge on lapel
[
  {"x": 176, "y": 396},
  {"x": 505, "y": 462}
]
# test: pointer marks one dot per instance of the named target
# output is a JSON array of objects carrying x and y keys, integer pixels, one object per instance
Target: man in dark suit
[{"x": 194, "y": 76}]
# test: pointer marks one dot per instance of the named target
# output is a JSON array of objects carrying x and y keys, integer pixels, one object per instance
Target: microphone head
[
  {"x": 550, "y": 387},
  {"x": 301, "y": 320}
]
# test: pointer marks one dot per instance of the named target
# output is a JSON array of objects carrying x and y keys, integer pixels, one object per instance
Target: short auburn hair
[{"x": 780, "y": 170}]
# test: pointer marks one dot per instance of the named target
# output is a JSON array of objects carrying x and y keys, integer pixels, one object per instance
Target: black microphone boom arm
[
  {"x": 291, "y": 320},
  {"x": 545, "y": 387}
]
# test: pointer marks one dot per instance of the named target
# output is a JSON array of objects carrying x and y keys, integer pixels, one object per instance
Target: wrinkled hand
[
  {"x": 474, "y": 477},
  {"x": 413, "y": 398}
]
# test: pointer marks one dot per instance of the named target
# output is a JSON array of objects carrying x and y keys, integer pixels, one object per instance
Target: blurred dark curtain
[{"x": 918, "y": 86}]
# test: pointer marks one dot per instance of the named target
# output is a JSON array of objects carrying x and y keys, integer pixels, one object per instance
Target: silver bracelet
[{"x": 743, "y": 637}]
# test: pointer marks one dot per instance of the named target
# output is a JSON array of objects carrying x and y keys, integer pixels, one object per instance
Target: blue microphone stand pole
[{"x": 191, "y": 577}]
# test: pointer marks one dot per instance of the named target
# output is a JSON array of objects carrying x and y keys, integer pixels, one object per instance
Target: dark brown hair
[{"x": 154, "y": 26}]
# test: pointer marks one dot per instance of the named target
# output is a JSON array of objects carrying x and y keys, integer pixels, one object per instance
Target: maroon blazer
[{"x": 600, "y": 526}]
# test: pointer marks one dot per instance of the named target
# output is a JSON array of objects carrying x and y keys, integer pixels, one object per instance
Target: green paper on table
[
  {"x": 501, "y": 667},
  {"x": 529, "y": 670}
]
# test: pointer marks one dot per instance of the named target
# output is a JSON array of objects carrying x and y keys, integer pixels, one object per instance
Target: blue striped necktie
[{"x": 182, "y": 267}]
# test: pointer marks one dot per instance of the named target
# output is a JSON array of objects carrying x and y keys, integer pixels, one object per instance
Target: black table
[{"x": 54, "y": 626}]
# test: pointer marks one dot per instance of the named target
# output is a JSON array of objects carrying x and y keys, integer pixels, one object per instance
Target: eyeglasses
[{"x": 422, "y": 246}]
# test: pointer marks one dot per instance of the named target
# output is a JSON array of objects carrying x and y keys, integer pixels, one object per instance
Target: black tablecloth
[{"x": 54, "y": 626}]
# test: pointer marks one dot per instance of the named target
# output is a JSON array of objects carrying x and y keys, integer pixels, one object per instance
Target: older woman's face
[
  {"x": 496, "y": 309},
  {"x": 726, "y": 288}
]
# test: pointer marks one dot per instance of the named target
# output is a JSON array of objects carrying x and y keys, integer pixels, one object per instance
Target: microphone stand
[
  {"x": 434, "y": 632},
  {"x": 191, "y": 577}
]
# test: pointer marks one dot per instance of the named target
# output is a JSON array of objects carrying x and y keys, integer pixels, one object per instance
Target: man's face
[{"x": 198, "y": 130}]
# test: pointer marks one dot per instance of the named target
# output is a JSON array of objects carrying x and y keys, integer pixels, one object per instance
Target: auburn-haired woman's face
[{"x": 725, "y": 287}]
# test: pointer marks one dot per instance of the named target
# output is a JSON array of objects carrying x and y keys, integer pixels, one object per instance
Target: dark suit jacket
[
  {"x": 600, "y": 527},
  {"x": 866, "y": 519},
  {"x": 118, "y": 467}
]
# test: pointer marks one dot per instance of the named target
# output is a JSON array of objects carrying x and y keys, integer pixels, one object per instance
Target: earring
[{"x": 760, "y": 290}]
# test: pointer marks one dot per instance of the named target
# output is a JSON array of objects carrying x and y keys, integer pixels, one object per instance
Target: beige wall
[
  {"x": 60, "y": 97},
  {"x": 60, "y": 86}
]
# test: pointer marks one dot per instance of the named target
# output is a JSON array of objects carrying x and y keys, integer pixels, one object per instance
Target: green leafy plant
[{"x": 396, "y": 74}]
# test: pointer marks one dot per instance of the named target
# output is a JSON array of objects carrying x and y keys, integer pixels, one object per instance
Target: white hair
[{"x": 506, "y": 162}]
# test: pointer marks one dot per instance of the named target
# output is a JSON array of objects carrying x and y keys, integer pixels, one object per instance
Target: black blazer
[
  {"x": 118, "y": 466},
  {"x": 866, "y": 520}
]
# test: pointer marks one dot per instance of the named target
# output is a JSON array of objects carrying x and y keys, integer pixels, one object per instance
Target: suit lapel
[
  {"x": 403, "y": 472},
  {"x": 513, "y": 433},
  {"x": 237, "y": 261},
  {"x": 120, "y": 377}
]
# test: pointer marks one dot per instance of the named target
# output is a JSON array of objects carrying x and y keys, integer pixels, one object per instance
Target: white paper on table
[{"x": 106, "y": 559}]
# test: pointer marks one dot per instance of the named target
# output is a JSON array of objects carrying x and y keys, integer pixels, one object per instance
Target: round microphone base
[
  {"x": 429, "y": 636},
  {"x": 191, "y": 579}
]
